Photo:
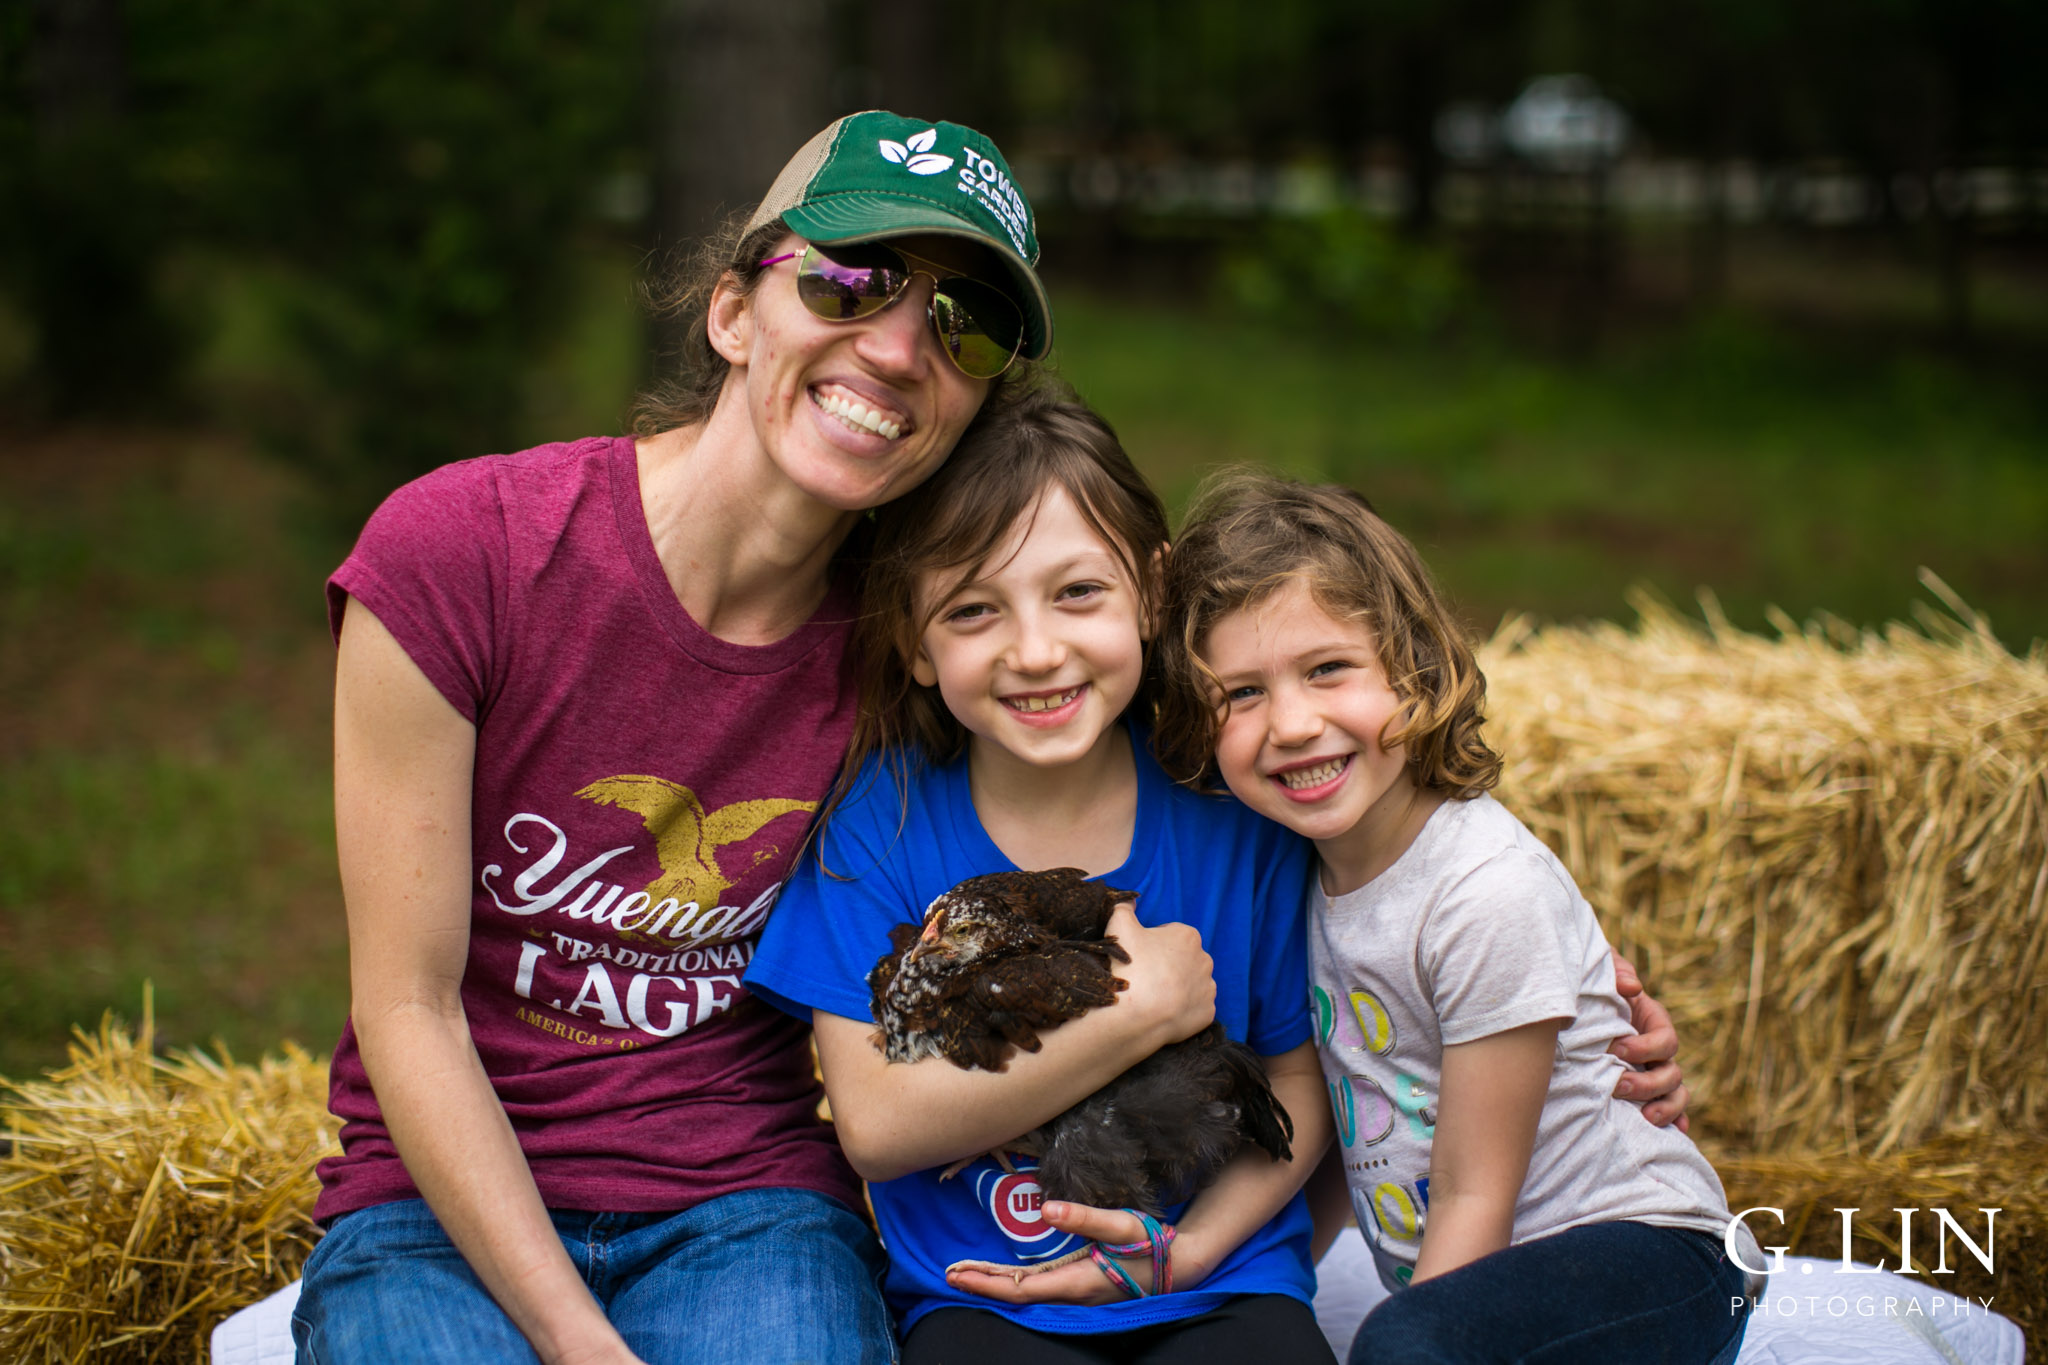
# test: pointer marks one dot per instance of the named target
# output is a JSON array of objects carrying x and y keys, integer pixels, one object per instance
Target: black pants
[{"x": 1270, "y": 1328}]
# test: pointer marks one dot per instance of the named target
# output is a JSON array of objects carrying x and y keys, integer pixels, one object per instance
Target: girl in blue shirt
[{"x": 1008, "y": 604}]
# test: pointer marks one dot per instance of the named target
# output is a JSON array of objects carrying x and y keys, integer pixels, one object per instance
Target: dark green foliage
[
  {"x": 407, "y": 181},
  {"x": 80, "y": 212},
  {"x": 418, "y": 173},
  {"x": 1352, "y": 274}
]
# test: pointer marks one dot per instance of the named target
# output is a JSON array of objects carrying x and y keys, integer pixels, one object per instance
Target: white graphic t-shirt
[{"x": 1476, "y": 929}]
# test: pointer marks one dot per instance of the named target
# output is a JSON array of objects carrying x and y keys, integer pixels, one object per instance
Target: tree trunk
[
  {"x": 1421, "y": 85},
  {"x": 908, "y": 45},
  {"x": 738, "y": 86},
  {"x": 92, "y": 239}
]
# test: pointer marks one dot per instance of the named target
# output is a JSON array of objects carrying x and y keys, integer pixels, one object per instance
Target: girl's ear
[
  {"x": 921, "y": 669},
  {"x": 731, "y": 322}
]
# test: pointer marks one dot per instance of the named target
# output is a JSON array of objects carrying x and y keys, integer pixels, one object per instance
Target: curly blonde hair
[{"x": 1247, "y": 535}]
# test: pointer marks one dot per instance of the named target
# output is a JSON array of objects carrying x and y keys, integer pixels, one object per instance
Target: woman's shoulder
[{"x": 482, "y": 485}]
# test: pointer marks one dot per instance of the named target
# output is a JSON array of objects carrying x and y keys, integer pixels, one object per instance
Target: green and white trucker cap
[{"x": 876, "y": 174}]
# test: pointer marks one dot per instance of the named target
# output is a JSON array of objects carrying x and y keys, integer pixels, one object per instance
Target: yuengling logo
[{"x": 915, "y": 154}]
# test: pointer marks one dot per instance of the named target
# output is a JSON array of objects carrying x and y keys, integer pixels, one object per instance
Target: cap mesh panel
[{"x": 789, "y": 186}]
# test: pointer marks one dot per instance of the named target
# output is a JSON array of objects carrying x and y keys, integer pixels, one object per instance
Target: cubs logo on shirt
[{"x": 1015, "y": 1202}]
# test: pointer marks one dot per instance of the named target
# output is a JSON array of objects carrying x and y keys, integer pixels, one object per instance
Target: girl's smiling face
[
  {"x": 1303, "y": 703},
  {"x": 1040, "y": 651}
]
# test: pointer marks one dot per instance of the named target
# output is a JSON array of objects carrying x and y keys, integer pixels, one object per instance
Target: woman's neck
[
  {"x": 1082, "y": 814},
  {"x": 747, "y": 553}
]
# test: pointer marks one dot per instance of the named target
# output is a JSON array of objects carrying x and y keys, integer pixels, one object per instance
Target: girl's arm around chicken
[
  {"x": 1243, "y": 1199},
  {"x": 897, "y": 1117}
]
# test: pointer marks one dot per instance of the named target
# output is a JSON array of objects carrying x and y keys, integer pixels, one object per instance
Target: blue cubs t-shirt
[{"x": 1199, "y": 859}]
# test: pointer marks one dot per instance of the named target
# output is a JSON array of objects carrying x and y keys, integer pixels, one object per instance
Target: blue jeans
[
  {"x": 1609, "y": 1291},
  {"x": 773, "y": 1275}
]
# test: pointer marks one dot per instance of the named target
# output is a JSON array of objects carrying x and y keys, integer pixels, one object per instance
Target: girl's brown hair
[
  {"x": 1024, "y": 440},
  {"x": 1247, "y": 535}
]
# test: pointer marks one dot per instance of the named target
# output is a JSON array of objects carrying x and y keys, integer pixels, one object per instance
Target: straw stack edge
[{"x": 1827, "y": 851}]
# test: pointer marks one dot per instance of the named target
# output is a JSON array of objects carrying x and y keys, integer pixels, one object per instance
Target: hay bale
[
  {"x": 1828, "y": 850},
  {"x": 144, "y": 1198}
]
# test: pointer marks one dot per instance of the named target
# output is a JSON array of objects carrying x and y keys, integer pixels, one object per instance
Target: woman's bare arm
[{"x": 403, "y": 766}]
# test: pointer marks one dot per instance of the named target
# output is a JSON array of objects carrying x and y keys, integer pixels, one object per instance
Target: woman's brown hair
[
  {"x": 680, "y": 297},
  {"x": 1247, "y": 535},
  {"x": 1025, "y": 439}
]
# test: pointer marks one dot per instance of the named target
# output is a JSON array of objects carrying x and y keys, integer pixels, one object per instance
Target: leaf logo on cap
[{"x": 916, "y": 155}]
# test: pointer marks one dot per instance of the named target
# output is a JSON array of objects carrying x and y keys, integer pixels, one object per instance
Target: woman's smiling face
[
  {"x": 822, "y": 394},
  {"x": 1041, "y": 650}
]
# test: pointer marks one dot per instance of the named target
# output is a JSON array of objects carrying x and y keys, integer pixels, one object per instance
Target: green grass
[
  {"x": 191, "y": 871},
  {"x": 165, "y": 806},
  {"x": 1726, "y": 457}
]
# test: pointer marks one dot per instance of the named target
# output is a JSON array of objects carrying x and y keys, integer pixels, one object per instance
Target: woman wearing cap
[{"x": 587, "y": 697}]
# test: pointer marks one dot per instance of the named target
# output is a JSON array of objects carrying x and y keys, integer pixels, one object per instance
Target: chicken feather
[{"x": 1000, "y": 959}]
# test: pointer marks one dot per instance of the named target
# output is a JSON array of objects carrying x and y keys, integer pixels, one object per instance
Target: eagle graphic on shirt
[{"x": 687, "y": 838}]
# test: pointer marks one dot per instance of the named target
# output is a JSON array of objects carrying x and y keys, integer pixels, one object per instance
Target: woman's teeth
[
  {"x": 1052, "y": 703},
  {"x": 1300, "y": 779},
  {"x": 859, "y": 416}
]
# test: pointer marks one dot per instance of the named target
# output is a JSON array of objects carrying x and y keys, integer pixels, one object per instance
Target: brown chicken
[{"x": 1002, "y": 957}]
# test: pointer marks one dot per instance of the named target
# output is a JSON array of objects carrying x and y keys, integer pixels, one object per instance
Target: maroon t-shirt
[{"x": 641, "y": 788}]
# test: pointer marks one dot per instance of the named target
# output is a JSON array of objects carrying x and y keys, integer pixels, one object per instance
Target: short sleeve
[
  {"x": 432, "y": 566},
  {"x": 1280, "y": 1018},
  {"x": 1497, "y": 951},
  {"x": 831, "y": 921}
]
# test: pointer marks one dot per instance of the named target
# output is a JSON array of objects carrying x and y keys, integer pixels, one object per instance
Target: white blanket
[
  {"x": 1807, "y": 1316},
  {"x": 1810, "y": 1313}
]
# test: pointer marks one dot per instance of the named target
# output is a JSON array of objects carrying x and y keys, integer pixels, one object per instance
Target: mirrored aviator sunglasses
[{"x": 978, "y": 326}]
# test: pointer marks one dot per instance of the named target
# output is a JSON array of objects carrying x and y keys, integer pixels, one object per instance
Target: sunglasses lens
[
  {"x": 978, "y": 326},
  {"x": 851, "y": 282}
]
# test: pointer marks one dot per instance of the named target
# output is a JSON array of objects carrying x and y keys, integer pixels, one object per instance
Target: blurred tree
[
  {"x": 83, "y": 226},
  {"x": 404, "y": 183},
  {"x": 738, "y": 86},
  {"x": 415, "y": 174},
  {"x": 402, "y": 187},
  {"x": 912, "y": 55}
]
